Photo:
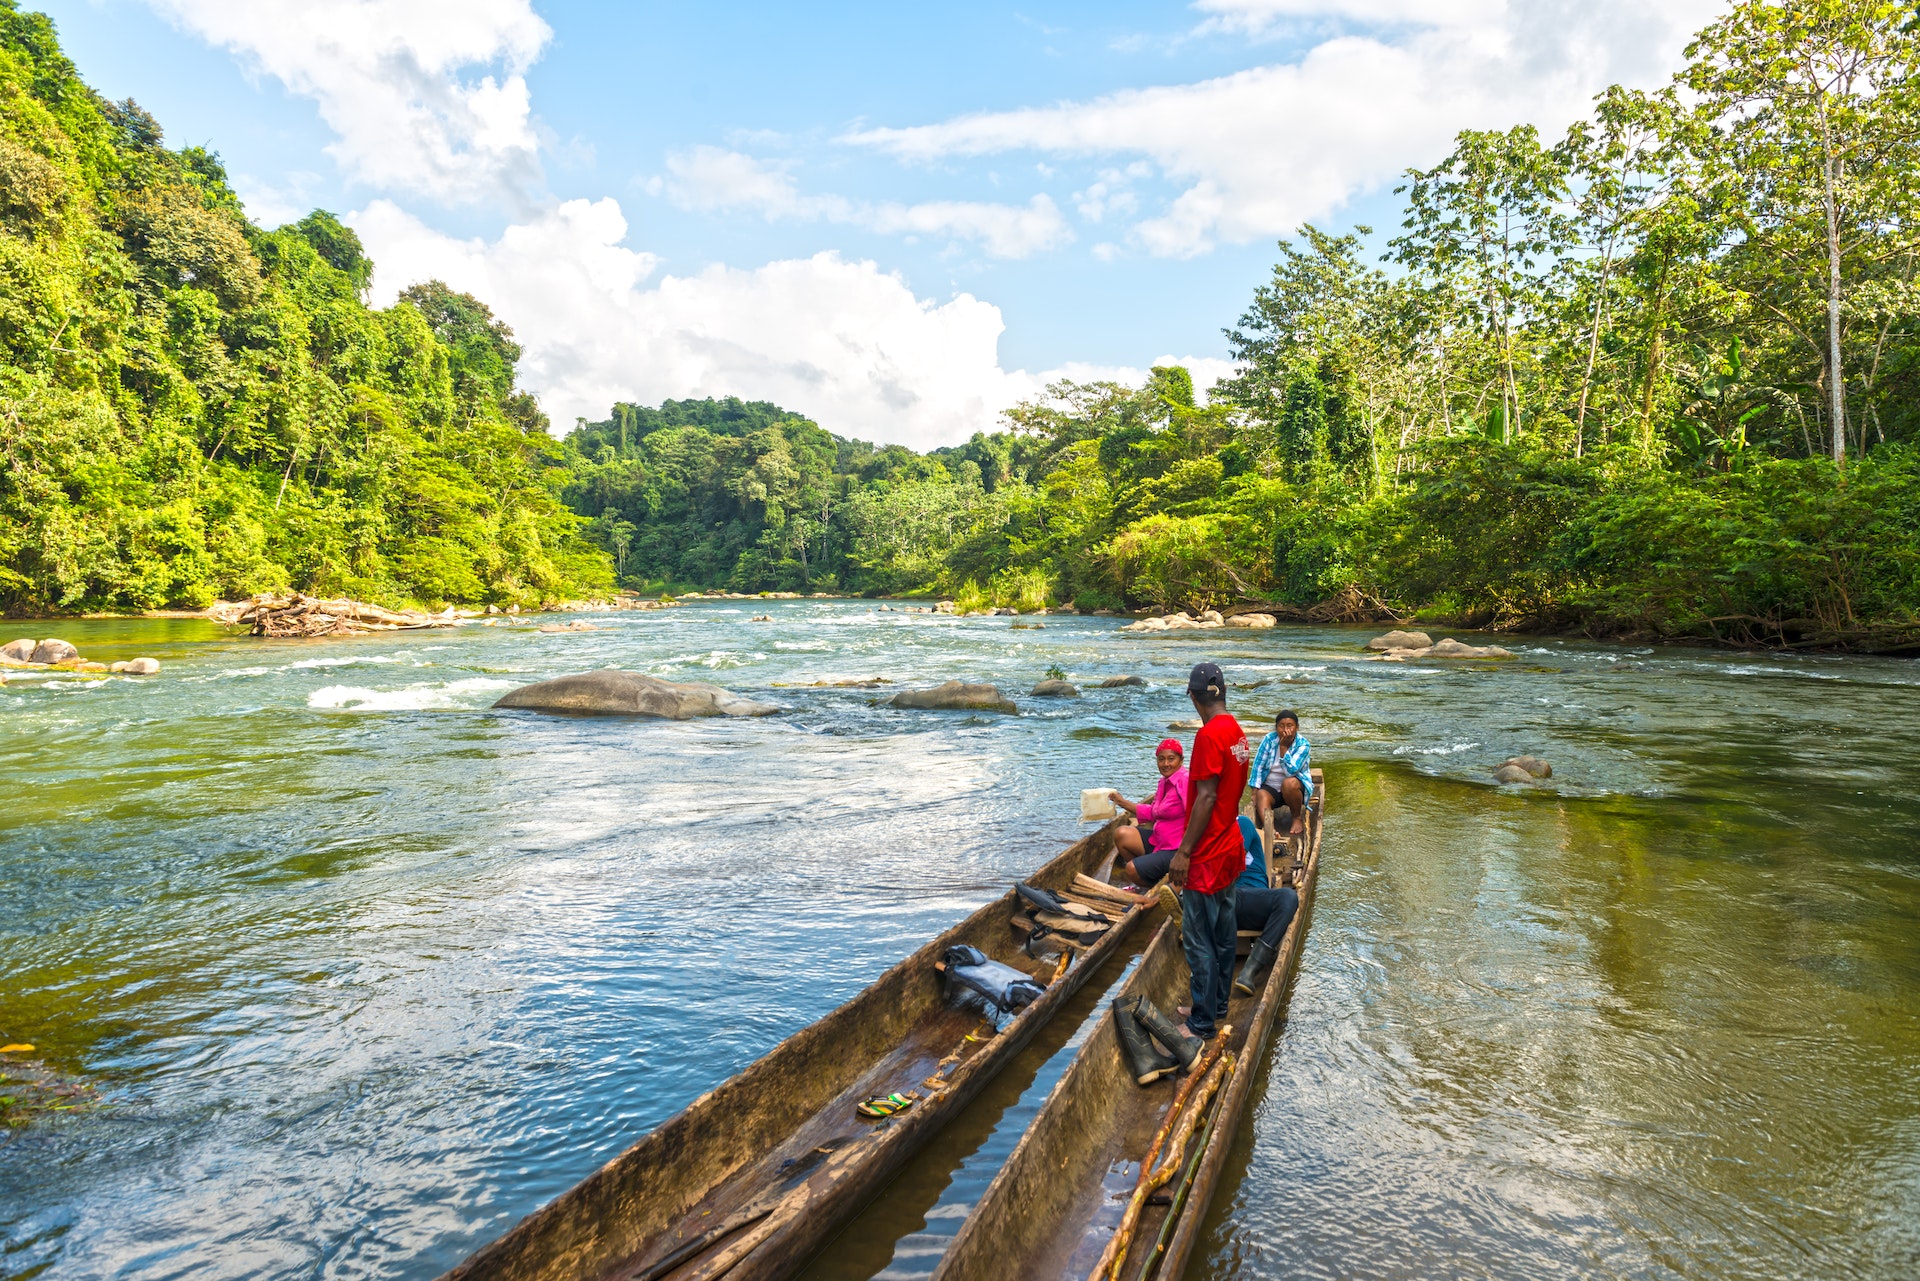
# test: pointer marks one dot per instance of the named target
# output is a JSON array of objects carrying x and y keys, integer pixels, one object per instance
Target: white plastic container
[{"x": 1096, "y": 805}]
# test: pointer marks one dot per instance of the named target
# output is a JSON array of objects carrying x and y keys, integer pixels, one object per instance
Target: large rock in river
[
  {"x": 956, "y": 696},
  {"x": 1400, "y": 640},
  {"x": 615, "y": 693},
  {"x": 1120, "y": 682},
  {"x": 1055, "y": 689},
  {"x": 19, "y": 651},
  {"x": 54, "y": 651}
]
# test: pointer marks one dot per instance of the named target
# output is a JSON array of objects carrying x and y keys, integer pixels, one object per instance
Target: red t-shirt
[{"x": 1219, "y": 751}]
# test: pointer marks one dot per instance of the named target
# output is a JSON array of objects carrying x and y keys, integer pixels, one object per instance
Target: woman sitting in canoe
[{"x": 1146, "y": 859}]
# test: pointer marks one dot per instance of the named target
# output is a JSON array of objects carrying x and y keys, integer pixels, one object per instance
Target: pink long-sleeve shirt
[{"x": 1167, "y": 811}]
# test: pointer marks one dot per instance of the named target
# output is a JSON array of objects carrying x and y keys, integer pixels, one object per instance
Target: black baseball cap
[{"x": 1207, "y": 681}]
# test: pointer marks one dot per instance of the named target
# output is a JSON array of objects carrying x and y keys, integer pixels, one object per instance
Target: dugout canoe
[
  {"x": 1050, "y": 1212},
  {"x": 754, "y": 1176}
]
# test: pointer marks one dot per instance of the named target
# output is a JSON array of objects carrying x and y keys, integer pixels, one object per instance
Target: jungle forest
[{"x": 1659, "y": 376}]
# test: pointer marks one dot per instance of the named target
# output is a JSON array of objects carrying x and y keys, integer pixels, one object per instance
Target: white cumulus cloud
[
  {"x": 1263, "y": 150},
  {"x": 842, "y": 341},
  {"x": 708, "y": 178},
  {"x": 426, "y": 96}
]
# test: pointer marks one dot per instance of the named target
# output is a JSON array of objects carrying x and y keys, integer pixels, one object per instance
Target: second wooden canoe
[{"x": 1050, "y": 1212}]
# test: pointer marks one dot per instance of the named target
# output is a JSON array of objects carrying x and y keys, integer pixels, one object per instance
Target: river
[{"x": 364, "y": 971}]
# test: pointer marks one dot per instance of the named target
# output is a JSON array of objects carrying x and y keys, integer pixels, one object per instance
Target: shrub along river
[{"x": 364, "y": 971}]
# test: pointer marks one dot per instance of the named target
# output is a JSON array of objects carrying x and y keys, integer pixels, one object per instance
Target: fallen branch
[{"x": 281, "y": 617}]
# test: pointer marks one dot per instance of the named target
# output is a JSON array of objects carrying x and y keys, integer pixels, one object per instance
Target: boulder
[
  {"x": 761, "y": 618},
  {"x": 615, "y": 693},
  {"x": 1401, "y": 640},
  {"x": 20, "y": 651},
  {"x": 1117, "y": 682},
  {"x": 1211, "y": 616},
  {"x": 943, "y": 607},
  {"x": 53, "y": 651},
  {"x": 1533, "y": 765},
  {"x": 1511, "y": 774},
  {"x": 1055, "y": 689},
  {"x": 1006, "y": 611},
  {"x": 1147, "y": 625},
  {"x": 1451, "y": 648},
  {"x": 956, "y": 696},
  {"x": 138, "y": 666},
  {"x": 1251, "y": 620}
]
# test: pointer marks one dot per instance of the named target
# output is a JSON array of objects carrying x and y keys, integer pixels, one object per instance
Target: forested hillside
[
  {"x": 191, "y": 406},
  {"x": 1658, "y": 376}
]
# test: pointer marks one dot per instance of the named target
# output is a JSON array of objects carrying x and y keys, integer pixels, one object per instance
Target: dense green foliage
[
  {"x": 191, "y": 406},
  {"x": 1657, "y": 377}
]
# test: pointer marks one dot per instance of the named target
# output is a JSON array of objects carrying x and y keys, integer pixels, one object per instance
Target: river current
[{"x": 364, "y": 971}]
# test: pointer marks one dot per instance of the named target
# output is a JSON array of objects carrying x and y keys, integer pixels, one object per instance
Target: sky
[{"x": 897, "y": 220}]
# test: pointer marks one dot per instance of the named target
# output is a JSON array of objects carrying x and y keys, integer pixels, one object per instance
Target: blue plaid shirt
[{"x": 1271, "y": 765}]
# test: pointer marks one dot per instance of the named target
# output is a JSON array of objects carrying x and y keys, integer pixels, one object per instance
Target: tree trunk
[
  {"x": 1836, "y": 382},
  {"x": 1593, "y": 351}
]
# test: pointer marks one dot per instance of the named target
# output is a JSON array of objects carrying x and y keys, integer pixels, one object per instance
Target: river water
[{"x": 365, "y": 972}]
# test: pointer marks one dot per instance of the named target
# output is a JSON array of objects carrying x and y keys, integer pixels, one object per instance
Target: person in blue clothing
[
  {"x": 1282, "y": 774},
  {"x": 1258, "y": 906}
]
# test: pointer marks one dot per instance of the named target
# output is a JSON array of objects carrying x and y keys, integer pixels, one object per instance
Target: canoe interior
[
  {"x": 784, "y": 1133},
  {"x": 1051, "y": 1210}
]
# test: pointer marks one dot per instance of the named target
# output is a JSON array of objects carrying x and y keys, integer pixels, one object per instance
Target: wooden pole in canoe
[
  {"x": 1203, "y": 1071},
  {"x": 1179, "y": 1201},
  {"x": 1122, "y": 1240}
]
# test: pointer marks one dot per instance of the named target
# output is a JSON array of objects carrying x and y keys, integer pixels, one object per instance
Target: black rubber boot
[
  {"x": 1147, "y": 1063},
  {"x": 1183, "y": 1047},
  {"x": 1259, "y": 957}
]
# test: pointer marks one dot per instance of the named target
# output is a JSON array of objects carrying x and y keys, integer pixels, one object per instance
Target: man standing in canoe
[{"x": 1211, "y": 854}]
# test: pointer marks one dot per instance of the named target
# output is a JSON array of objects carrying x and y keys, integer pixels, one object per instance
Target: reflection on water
[
  {"x": 1595, "y": 1037},
  {"x": 369, "y": 972}
]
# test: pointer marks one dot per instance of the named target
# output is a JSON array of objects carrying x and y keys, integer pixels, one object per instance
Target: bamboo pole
[{"x": 1109, "y": 1258}]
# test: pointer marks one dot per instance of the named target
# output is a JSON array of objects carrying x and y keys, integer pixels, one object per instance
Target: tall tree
[{"x": 1812, "y": 109}]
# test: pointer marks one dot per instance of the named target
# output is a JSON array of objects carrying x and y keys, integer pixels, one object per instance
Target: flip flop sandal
[{"x": 887, "y": 1105}]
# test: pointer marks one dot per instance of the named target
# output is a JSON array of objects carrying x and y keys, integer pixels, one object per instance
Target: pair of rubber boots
[{"x": 1140, "y": 1022}]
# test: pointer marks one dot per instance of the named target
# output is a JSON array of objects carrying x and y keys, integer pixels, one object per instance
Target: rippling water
[{"x": 366, "y": 971}]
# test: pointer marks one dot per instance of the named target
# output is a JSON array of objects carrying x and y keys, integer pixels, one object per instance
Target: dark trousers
[
  {"x": 1269, "y": 911},
  {"x": 1208, "y": 933}
]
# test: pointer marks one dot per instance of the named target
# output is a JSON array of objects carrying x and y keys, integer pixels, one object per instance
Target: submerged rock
[
  {"x": 615, "y": 693},
  {"x": 1055, "y": 689},
  {"x": 1119, "y": 682},
  {"x": 53, "y": 651},
  {"x": 1533, "y": 765},
  {"x": 1401, "y": 640},
  {"x": 956, "y": 696},
  {"x": 1511, "y": 773}
]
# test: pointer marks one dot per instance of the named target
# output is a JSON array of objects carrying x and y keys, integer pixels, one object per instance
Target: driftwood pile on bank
[{"x": 299, "y": 616}]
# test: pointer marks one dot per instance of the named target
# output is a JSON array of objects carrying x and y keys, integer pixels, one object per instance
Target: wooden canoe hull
[
  {"x": 1054, "y": 1205},
  {"x": 725, "y": 1154}
]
